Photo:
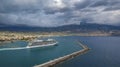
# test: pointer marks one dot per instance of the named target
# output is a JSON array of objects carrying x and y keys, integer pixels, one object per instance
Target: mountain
[{"x": 86, "y": 27}]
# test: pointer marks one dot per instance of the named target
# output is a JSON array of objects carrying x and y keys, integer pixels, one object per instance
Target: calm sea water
[
  {"x": 23, "y": 57},
  {"x": 104, "y": 53}
]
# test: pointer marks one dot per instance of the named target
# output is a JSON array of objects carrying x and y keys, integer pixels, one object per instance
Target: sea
[{"x": 104, "y": 52}]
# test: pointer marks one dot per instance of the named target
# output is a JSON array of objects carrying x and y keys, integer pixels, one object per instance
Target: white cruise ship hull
[{"x": 46, "y": 45}]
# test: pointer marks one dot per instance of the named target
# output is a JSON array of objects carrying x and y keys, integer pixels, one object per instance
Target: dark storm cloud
[
  {"x": 51, "y": 13},
  {"x": 16, "y": 6}
]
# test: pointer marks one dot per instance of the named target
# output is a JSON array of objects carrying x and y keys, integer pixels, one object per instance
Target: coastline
[{"x": 7, "y": 37}]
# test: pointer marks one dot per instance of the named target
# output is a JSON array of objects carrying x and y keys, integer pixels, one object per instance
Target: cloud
[
  {"x": 107, "y": 17},
  {"x": 52, "y": 13}
]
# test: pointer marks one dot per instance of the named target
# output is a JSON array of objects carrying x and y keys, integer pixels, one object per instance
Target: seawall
[{"x": 66, "y": 57}]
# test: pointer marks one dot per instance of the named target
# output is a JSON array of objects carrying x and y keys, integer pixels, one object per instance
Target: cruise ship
[{"x": 42, "y": 43}]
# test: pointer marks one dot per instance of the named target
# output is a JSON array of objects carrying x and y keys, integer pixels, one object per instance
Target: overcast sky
[{"x": 52, "y": 13}]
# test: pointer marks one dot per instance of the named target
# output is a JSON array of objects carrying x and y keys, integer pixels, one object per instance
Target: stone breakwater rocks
[{"x": 52, "y": 63}]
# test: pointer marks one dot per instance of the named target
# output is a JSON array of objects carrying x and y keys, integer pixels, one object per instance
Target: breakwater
[{"x": 64, "y": 58}]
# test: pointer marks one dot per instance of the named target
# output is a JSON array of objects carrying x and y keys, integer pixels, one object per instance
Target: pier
[{"x": 54, "y": 62}]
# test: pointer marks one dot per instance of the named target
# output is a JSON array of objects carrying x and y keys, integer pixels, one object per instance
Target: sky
[{"x": 53, "y": 13}]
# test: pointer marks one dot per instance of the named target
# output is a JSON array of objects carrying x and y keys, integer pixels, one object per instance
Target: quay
[{"x": 54, "y": 62}]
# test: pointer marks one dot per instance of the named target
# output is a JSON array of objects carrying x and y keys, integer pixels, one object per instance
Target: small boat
[{"x": 42, "y": 43}]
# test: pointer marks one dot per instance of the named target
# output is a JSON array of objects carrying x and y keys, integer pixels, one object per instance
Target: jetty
[{"x": 54, "y": 62}]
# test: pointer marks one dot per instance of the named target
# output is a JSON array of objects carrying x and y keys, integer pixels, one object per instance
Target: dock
[{"x": 54, "y": 62}]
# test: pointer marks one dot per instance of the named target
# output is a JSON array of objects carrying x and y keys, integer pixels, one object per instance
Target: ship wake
[{"x": 19, "y": 48}]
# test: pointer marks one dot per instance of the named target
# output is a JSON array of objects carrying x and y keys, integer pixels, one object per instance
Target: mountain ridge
[{"x": 86, "y": 27}]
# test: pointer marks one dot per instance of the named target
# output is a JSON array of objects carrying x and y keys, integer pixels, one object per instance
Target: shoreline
[{"x": 28, "y": 36}]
